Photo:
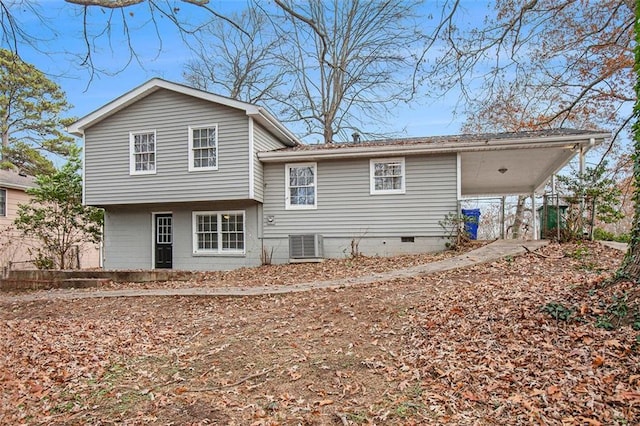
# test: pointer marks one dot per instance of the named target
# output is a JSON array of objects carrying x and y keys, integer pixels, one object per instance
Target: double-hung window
[
  {"x": 3, "y": 202},
  {"x": 218, "y": 232},
  {"x": 142, "y": 148},
  {"x": 301, "y": 184},
  {"x": 387, "y": 176},
  {"x": 203, "y": 148}
]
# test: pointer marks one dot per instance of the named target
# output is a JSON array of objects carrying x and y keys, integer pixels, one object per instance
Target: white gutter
[{"x": 16, "y": 186}]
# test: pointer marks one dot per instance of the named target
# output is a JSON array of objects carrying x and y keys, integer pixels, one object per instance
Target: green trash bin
[{"x": 549, "y": 219}]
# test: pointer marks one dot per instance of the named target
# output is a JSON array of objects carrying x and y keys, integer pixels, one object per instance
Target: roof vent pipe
[{"x": 356, "y": 137}]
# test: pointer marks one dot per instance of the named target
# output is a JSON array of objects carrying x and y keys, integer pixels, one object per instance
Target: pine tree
[{"x": 31, "y": 126}]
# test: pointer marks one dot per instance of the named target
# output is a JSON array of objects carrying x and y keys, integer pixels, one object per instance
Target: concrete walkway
[
  {"x": 615, "y": 245},
  {"x": 489, "y": 253}
]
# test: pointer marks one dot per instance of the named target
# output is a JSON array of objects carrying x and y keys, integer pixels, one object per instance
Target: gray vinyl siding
[
  {"x": 107, "y": 178},
  {"x": 262, "y": 141},
  {"x": 346, "y": 209},
  {"x": 129, "y": 237}
]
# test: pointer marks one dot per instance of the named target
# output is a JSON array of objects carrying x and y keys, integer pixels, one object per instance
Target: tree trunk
[
  {"x": 5, "y": 144},
  {"x": 630, "y": 268},
  {"x": 328, "y": 133},
  {"x": 519, "y": 217}
]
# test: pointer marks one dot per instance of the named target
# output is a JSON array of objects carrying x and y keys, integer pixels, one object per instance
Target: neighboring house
[
  {"x": 193, "y": 180},
  {"x": 15, "y": 249}
]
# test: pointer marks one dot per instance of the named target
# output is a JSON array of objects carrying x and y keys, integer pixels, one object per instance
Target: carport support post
[
  {"x": 502, "y": 214},
  {"x": 533, "y": 215},
  {"x": 582, "y": 189}
]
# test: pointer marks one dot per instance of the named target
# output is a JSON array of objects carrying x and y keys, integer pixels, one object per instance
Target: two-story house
[{"x": 192, "y": 180}]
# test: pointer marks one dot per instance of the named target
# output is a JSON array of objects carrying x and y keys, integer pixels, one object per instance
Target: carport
[{"x": 520, "y": 163}]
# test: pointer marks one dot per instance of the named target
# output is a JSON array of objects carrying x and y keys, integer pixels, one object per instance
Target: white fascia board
[
  {"x": 16, "y": 186},
  {"x": 496, "y": 194},
  {"x": 435, "y": 148}
]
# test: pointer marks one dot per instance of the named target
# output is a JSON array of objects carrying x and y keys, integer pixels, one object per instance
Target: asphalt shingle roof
[
  {"x": 12, "y": 179},
  {"x": 434, "y": 140}
]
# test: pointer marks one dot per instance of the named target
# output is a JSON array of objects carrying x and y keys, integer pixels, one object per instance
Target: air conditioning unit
[{"x": 307, "y": 246}]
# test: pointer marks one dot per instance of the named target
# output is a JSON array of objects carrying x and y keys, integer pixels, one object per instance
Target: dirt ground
[{"x": 523, "y": 340}]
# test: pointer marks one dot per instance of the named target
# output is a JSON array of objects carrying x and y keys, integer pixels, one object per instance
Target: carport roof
[{"x": 489, "y": 163}]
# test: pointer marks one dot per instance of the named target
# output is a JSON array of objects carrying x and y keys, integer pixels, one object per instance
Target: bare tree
[
  {"x": 110, "y": 24},
  {"x": 346, "y": 63},
  {"x": 338, "y": 67},
  {"x": 351, "y": 63},
  {"x": 539, "y": 64},
  {"x": 238, "y": 64},
  {"x": 548, "y": 63}
]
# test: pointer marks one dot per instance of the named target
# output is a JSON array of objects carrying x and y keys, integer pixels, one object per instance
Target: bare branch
[{"x": 111, "y": 4}]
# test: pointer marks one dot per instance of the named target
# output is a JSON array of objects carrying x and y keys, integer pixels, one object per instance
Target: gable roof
[
  {"x": 14, "y": 180},
  {"x": 259, "y": 114}
]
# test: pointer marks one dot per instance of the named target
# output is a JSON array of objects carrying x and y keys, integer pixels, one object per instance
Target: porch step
[
  {"x": 16, "y": 284},
  {"x": 115, "y": 275}
]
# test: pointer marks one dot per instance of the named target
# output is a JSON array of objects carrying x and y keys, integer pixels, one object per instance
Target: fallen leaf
[
  {"x": 553, "y": 389},
  {"x": 597, "y": 361}
]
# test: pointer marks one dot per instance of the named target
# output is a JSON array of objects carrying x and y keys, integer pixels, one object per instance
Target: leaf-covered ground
[{"x": 474, "y": 346}]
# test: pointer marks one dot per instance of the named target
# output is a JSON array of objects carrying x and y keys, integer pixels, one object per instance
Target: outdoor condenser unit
[{"x": 306, "y": 246}]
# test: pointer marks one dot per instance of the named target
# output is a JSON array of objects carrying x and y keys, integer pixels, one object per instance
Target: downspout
[
  {"x": 251, "y": 164},
  {"x": 458, "y": 196}
]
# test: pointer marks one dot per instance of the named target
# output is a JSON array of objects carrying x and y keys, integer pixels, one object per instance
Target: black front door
[{"x": 164, "y": 240}]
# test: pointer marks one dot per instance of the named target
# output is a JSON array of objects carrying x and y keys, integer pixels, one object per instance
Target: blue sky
[{"x": 61, "y": 44}]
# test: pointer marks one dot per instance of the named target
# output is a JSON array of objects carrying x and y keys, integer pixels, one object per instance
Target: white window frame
[
  {"x": 287, "y": 188},
  {"x": 4, "y": 204},
  {"x": 192, "y": 167},
  {"x": 219, "y": 215},
  {"x": 132, "y": 153},
  {"x": 372, "y": 176}
]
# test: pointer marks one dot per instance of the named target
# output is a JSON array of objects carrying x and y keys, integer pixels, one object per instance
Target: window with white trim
[
  {"x": 203, "y": 148},
  {"x": 301, "y": 183},
  {"x": 142, "y": 149},
  {"x": 218, "y": 232},
  {"x": 3, "y": 202},
  {"x": 387, "y": 176}
]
